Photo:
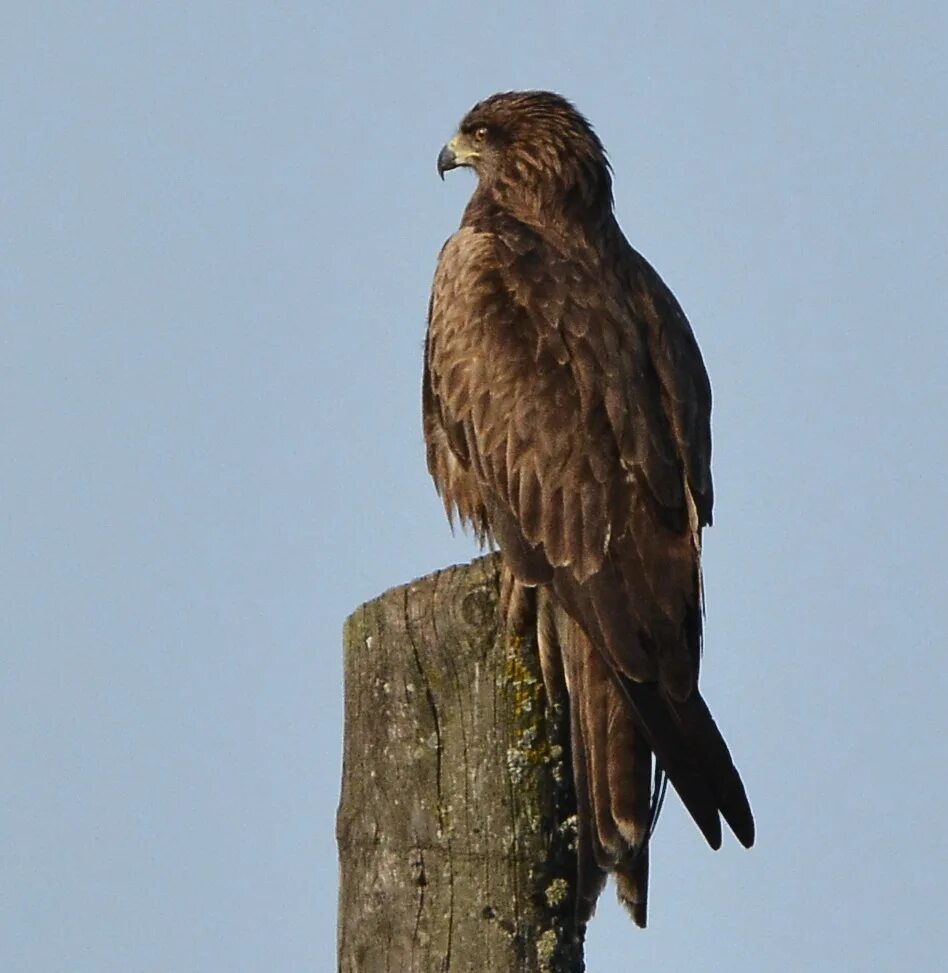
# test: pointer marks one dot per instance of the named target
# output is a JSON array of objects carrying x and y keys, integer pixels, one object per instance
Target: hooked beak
[
  {"x": 446, "y": 160},
  {"x": 456, "y": 153}
]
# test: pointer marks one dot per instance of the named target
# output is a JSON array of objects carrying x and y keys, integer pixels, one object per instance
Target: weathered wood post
[{"x": 456, "y": 821}]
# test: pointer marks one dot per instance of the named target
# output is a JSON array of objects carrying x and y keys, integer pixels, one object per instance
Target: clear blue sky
[{"x": 218, "y": 225}]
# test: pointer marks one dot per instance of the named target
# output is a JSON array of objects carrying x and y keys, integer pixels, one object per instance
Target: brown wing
[
  {"x": 548, "y": 425},
  {"x": 679, "y": 368},
  {"x": 567, "y": 415}
]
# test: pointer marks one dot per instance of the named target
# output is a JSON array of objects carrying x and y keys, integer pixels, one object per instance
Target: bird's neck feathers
[{"x": 569, "y": 198}]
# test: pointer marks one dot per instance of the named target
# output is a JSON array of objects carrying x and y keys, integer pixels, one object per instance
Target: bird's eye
[{"x": 481, "y": 133}]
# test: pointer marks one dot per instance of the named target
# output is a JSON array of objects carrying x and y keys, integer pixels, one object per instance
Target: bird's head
[{"x": 532, "y": 147}]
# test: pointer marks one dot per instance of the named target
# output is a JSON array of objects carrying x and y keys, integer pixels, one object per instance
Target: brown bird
[{"x": 567, "y": 420}]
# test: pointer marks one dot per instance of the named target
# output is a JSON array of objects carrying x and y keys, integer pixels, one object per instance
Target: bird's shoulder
[{"x": 677, "y": 365}]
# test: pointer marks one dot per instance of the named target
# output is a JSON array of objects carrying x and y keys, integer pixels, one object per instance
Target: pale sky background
[{"x": 218, "y": 225}]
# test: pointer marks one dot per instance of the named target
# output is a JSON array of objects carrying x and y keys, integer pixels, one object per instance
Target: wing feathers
[{"x": 530, "y": 503}]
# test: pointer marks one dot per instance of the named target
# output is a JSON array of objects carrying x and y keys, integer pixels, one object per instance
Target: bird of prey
[{"x": 566, "y": 415}]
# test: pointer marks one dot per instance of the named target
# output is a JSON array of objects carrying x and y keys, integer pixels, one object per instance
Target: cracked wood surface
[{"x": 455, "y": 825}]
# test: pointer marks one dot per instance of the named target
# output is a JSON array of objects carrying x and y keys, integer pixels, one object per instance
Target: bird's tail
[
  {"x": 612, "y": 767},
  {"x": 617, "y": 725}
]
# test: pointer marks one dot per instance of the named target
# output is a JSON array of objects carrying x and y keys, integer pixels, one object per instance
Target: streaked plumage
[{"x": 567, "y": 418}]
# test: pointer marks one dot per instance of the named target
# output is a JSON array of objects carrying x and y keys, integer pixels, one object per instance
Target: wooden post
[{"x": 456, "y": 826}]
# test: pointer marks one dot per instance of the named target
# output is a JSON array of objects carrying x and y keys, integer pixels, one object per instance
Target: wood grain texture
[{"x": 456, "y": 825}]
